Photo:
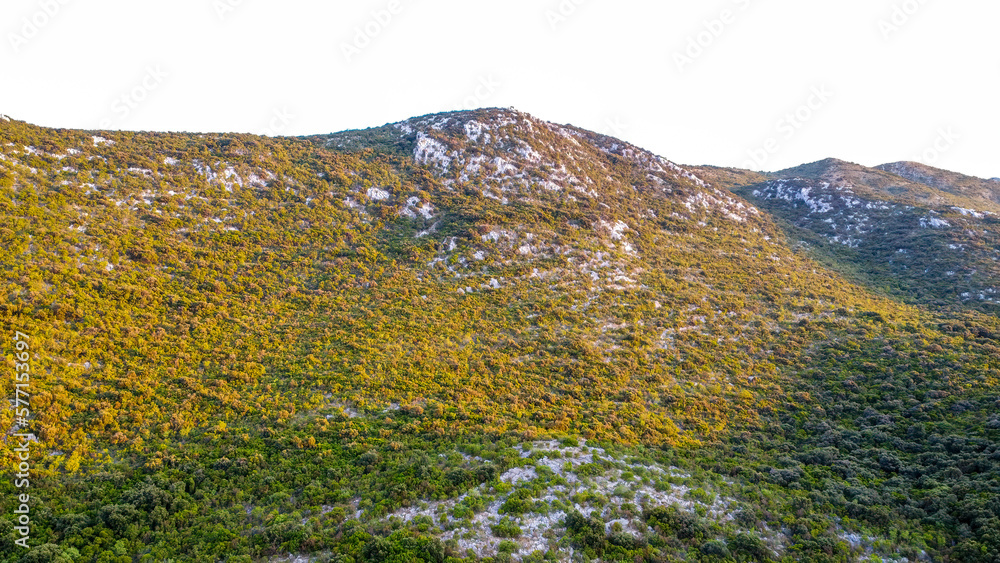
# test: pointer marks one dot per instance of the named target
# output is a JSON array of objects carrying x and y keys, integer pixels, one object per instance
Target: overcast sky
[{"x": 765, "y": 84}]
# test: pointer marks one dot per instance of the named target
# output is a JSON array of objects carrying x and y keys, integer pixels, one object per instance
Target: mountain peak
[
  {"x": 835, "y": 162},
  {"x": 819, "y": 169},
  {"x": 452, "y": 120},
  {"x": 510, "y": 156}
]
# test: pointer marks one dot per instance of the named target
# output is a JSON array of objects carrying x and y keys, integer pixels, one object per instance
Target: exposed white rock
[
  {"x": 474, "y": 130},
  {"x": 377, "y": 194},
  {"x": 969, "y": 212},
  {"x": 431, "y": 151},
  {"x": 933, "y": 223},
  {"x": 572, "y": 478}
]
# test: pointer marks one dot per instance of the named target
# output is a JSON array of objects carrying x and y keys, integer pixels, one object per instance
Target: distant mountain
[
  {"x": 973, "y": 188},
  {"x": 934, "y": 243},
  {"x": 483, "y": 336}
]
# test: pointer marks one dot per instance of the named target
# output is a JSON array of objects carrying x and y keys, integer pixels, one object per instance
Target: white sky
[{"x": 924, "y": 90}]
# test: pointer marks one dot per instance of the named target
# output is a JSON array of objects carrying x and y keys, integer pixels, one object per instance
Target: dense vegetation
[
  {"x": 247, "y": 347},
  {"x": 934, "y": 246}
]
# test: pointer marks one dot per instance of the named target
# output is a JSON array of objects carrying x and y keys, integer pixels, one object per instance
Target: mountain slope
[
  {"x": 922, "y": 243},
  {"x": 247, "y": 346},
  {"x": 987, "y": 192}
]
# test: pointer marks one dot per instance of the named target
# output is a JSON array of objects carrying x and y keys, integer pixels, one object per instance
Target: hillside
[
  {"x": 987, "y": 192},
  {"x": 930, "y": 243},
  {"x": 483, "y": 336}
]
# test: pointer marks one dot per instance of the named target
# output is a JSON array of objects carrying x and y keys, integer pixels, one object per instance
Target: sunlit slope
[{"x": 522, "y": 275}]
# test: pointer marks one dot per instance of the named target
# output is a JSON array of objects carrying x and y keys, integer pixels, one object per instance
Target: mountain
[
  {"x": 987, "y": 192},
  {"x": 483, "y": 336},
  {"x": 926, "y": 236}
]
